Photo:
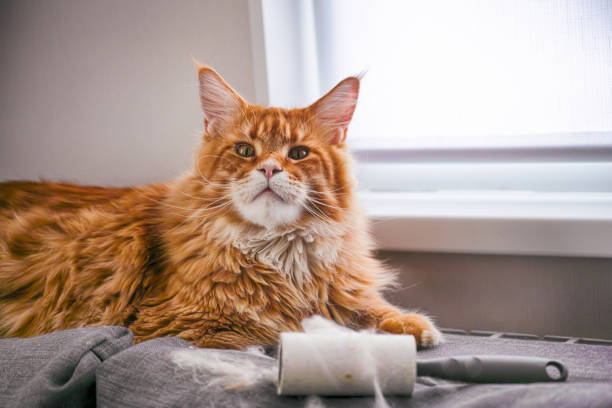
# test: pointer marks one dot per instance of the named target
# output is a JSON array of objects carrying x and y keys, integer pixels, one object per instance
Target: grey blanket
[
  {"x": 58, "y": 370},
  {"x": 147, "y": 375}
]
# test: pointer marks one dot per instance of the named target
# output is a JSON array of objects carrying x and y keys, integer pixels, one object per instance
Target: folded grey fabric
[
  {"x": 170, "y": 372},
  {"x": 57, "y": 369}
]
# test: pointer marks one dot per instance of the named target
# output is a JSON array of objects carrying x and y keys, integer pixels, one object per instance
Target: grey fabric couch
[{"x": 101, "y": 366}]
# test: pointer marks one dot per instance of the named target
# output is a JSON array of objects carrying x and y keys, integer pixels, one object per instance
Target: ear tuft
[
  {"x": 219, "y": 101},
  {"x": 334, "y": 111}
]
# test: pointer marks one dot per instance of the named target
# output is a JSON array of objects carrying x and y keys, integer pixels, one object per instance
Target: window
[
  {"x": 468, "y": 73},
  {"x": 470, "y": 110}
]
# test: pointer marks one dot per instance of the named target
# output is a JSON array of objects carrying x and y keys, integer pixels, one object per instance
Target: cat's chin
[{"x": 269, "y": 211}]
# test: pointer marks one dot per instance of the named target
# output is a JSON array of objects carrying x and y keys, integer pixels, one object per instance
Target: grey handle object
[{"x": 493, "y": 368}]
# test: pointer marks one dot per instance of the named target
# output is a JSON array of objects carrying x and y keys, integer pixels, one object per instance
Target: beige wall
[
  {"x": 104, "y": 92},
  {"x": 525, "y": 294}
]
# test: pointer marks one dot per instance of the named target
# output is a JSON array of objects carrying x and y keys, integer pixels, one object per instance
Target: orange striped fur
[{"x": 208, "y": 257}]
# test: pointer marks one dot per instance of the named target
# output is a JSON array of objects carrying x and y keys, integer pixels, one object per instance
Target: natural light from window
[{"x": 449, "y": 73}]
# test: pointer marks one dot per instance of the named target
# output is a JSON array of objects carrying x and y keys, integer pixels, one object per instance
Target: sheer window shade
[{"x": 471, "y": 74}]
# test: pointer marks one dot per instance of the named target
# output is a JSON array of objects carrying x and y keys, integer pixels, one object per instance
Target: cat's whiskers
[
  {"x": 208, "y": 186},
  {"x": 214, "y": 207},
  {"x": 313, "y": 200},
  {"x": 214, "y": 184},
  {"x": 192, "y": 196},
  {"x": 322, "y": 217},
  {"x": 204, "y": 197},
  {"x": 206, "y": 213},
  {"x": 200, "y": 214},
  {"x": 320, "y": 197},
  {"x": 320, "y": 194},
  {"x": 326, "y": 191},
  {"x": 210, "y": 183},
  {"x": 162, "y": 202},
  {"x": 189, "y": 209}
]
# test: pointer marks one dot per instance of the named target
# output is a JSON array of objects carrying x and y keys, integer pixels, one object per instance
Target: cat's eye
[
  {"x": 245, "y": 150},
  {"x": 298, "y": 152}
]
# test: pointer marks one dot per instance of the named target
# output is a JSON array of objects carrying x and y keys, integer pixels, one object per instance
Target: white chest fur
[{"x": 293, "y": 253}]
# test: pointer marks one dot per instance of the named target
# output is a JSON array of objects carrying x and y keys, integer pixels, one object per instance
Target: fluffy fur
[{"x": 227, "y": 256}]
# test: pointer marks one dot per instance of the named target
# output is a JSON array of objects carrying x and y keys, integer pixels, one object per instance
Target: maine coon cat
[{"x": 264, "y": 232}]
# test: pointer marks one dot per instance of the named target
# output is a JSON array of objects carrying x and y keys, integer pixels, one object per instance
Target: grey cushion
[
  {"x": 146, "y": 375},
  {"x": 56, "y": 369}
]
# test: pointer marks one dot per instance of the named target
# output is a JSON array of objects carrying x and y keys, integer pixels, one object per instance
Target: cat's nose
[{"x": 269, "y": 169}]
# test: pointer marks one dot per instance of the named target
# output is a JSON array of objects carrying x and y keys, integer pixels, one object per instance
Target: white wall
[{"x": 105, "y": 92}]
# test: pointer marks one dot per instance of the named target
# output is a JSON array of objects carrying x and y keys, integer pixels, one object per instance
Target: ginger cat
[{"x": 264, "y": 232}]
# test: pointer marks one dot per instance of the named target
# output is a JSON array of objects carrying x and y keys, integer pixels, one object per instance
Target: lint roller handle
[{"x": 493, "y": 369}]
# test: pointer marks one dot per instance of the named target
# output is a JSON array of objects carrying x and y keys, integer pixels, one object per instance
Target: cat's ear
[
  {"x": 220, "y": 102},
  {"x": 334, "y": 111}
]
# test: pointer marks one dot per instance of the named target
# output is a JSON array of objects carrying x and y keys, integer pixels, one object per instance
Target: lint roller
[{"x": 355, "y": 364}]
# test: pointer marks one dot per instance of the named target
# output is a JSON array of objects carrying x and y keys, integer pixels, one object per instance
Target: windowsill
[{"x": 513, "y": 223}]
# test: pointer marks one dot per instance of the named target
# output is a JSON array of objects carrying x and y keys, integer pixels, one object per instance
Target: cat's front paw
[{"x": 421, "y": 327}]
